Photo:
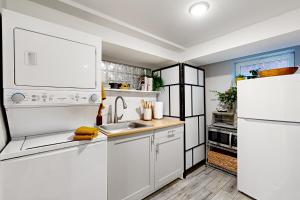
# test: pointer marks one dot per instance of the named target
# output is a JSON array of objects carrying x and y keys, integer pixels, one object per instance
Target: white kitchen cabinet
[
  {"x": 140, "y": 164},
  {"x": 130, "y": 167},
  {"x": 168, "y": 156}
]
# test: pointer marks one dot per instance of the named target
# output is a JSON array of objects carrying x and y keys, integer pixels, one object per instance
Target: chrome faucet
[{"x": 116, "y": 118}]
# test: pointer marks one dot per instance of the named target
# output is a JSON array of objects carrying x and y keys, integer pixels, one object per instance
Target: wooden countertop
[{"x": 156, "y": 124}]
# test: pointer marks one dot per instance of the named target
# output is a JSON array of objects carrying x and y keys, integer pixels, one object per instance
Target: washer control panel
[{"x": 42, "y": 98}]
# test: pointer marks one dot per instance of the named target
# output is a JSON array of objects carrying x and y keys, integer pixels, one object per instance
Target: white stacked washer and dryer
[{"x": 51, "y": 86}]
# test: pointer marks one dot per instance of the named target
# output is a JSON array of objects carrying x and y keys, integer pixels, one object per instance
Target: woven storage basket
[{"x": 224, "y": 161}]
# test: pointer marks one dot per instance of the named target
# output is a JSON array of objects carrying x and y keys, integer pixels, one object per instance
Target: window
[{"x": 266, "y": 61}]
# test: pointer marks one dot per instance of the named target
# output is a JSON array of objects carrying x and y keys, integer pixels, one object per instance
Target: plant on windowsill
[
  {"x": 227, "y": 100},
  {"x": 254, "y": 73},
  {"x": 240, "y": 77}
]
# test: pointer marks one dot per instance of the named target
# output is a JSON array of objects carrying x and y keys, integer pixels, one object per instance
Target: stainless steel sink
[{"x": 123, "y": 126}]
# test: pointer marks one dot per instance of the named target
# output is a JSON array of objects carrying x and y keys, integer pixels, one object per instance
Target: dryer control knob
[
  {"x": 18, "y": 97},
  {"x": 94, "y": 98}
]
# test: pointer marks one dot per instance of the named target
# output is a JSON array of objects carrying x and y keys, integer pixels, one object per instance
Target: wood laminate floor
[{"x": 205, "y": 183}]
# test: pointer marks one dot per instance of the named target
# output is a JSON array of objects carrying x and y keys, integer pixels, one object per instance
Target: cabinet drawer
[{"x": 169, "y": 132}]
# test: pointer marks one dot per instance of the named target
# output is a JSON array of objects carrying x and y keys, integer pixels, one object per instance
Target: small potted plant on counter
[{"x": 227, "y": 100}]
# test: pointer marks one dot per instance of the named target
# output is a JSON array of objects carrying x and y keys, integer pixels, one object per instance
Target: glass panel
[{"x": 224, "y": 138}]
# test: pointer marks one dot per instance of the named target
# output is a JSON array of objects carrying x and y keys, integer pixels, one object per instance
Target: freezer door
[
  {"x": 268, "y": 160},
  {"x": 67, "y": 174},
  {"x": 273, "y": 98},
  {"x": 48, "y": 61}
]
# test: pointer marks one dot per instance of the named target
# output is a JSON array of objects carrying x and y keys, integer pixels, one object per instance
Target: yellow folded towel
[
  {"x": 83, "y": 137},
  {"x": 84, "y": 130},
  {"x": 85, "y": 133}
]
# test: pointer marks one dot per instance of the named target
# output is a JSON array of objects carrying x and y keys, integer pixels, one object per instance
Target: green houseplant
[
  {"x": 254, "y": 73},
  {"x": 228, "y": 98},
  {"x": 157, "y": 82}
]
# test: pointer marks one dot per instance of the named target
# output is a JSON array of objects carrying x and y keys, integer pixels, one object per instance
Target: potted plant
[
  {"x": 240, "y": 77},
  {"x": 227, "y": 100},
  {"x": 157, "y": 82},
  {"x": 254, "y": 73}
]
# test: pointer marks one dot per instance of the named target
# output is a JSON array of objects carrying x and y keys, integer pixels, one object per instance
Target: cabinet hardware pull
[
  {"x": 152, "y": 142},
  {"x": 157, "y": 151},
  {"x": 171, "y": 133}
]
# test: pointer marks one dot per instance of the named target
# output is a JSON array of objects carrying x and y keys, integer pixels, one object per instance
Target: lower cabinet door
[
  {"x": 130, "y": 167},
  {"x": 168, "y": 159},
  {"x": 75, "y": 173}
]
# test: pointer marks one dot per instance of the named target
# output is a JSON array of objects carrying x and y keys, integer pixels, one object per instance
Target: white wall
[
  {"x": 218, "y": 77},
  {"x": 133, "y": 103}
]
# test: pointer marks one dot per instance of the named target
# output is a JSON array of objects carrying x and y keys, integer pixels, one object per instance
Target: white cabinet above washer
[{"x": 70, "y": 64}]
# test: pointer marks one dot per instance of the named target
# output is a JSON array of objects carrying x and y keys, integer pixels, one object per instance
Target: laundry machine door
[{"x": 49, "y": 61}]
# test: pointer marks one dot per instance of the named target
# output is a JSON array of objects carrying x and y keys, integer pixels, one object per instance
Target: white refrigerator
[{"x": 269, "y": 137}]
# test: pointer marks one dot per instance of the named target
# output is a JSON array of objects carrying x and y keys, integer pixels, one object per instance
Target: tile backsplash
[{"x": 121, "y": 73}]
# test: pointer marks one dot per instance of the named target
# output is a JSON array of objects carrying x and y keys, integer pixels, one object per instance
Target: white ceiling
[
  {"x": 170, "y": 20},
  {"x": 119, "y": 54},
  {"x": 156, "y": 32}
]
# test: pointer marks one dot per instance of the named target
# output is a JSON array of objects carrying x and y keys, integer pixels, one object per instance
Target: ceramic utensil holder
[{"x": 148, "y": 114}]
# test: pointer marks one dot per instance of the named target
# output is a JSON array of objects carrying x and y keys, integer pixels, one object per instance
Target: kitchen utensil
[{"x": 147, "y": 110}]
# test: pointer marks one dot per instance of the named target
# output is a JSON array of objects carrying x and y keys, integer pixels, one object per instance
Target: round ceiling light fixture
[{"x": 199, "y": 8}]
